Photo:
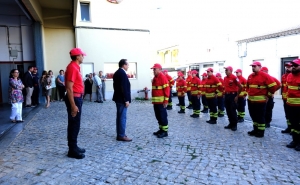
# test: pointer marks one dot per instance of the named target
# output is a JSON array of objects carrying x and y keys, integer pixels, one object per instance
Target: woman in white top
[{"x": 53, "y": 86}]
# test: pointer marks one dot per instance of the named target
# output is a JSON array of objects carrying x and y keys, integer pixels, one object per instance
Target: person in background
[
  {"x": 103, "y": 79},
  {"x": 61, "y": 85},
  {"x": 203, "y": 97},
  {"x": 181, "y": 90},
  {"x": 98, "y": 84},
  {"x": 46, "y": 87},
  {"x": 28, "y": 83},
  {"x": 220, "y": 98},
  {"x": 188, "y": 84},
  {"x": 15, "y": 96},
  {"x": 53, "y": 86},
  {"x": 88, "y": 85},
  {"x": 242, "y": 96},
  {"x": 36, "y": 87},
  {"x": 171, "y": 83}
]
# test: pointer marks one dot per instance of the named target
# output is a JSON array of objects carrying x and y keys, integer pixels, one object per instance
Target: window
[
  {"x": 86, "y": 68},
  {"x": 110, "y": 69},
  {"x": 208, "y": 65},
  {"x": 85, "y": 11}
]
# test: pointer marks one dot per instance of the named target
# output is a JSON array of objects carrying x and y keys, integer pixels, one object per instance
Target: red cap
[
  {"x": 210, "y": 69},
  {"x": 296, "y": 61},
  {"x": 194, "y": 72},
  {"x": 77, "y": 51},
  {"x": 204, "y": 74},
  {"x": 288, "y": 64},
  {"x": 156, "y": 66},
  {"x": 218, "y": 75},
  {"x": 238, "y": 71},
  {"x": 256, "y": 63},
  {"x": 165, "y": 71},
  {"x": 228, "y": 68},
  {"x": 180, "y": 74},
  {"x": 264, "y": 69}
]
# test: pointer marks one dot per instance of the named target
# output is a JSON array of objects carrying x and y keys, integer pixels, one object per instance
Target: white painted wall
[{"x": 109, "y": 46}]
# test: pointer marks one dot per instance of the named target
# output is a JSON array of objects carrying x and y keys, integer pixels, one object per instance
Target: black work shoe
[
  {"x": 268, "y": 125},
  {"x": 286, "y": 131},
  {"x": 292, "y": 145},
  {"x": 162, "y": 134},
  {"x": 80, "y": 150},
  {"x": 228, "y": 126},
  {"x": 297, "y": 148},
  {"x": 100, "y": 101},
  {"x": 240, "y": 120},
  {"x": 181, "y": 111},
  {"x": 211, "y": 121},
  {"x": 169, "y": 107},
  {"x": 194, "y": 116},
  {"x": 233, "y": 128},
  {"x": 157, "y": 132},
  {"x": 220, "y": 115},
  {"x": 204, "y": 111},
  {"x": 76, "y": 155},
  {"x": 252, "y": 133},
  {"x": 259, "y": 134}
]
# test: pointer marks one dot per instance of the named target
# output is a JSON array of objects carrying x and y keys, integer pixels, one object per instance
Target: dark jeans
[
  {"x": 257, "y": 113},
  {"x": 61, "y": 91},
  {"x": 196, "y": 105},
  {"x": 170, "y": 98},
  {"x": 121, "y": 119},
  {"x": 231, "y": 109},
  {"x": 204, "y": 101},
  {"x": 220, "y": 105},
  {"x": 241, "y": 107},
  {"x": 181, "y": 102},
  {"x": 73, "y": 123},
  {"x": 212, "y": 105},
  {"x": 269, "y": 110},
  {"x": 189, "y": 97},
  {"x": 161, "y": 116},
  {"x": 35, "y": 95}
]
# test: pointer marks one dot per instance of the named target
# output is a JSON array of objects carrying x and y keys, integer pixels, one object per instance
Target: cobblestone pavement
[{"x": 194, "y": 153}]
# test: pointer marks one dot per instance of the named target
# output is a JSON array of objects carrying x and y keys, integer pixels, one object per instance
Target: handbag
[{"x": 48, "y": 87}]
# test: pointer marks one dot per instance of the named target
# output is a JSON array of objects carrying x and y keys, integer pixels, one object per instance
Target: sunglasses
[{"x": 295, "y": 65}]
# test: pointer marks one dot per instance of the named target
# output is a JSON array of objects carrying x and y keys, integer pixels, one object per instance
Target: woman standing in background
[
  {"x": 61, "y": 84},
  {"x": 53, "y": 86},
  {"x": 46, "y": 87},
  {"x": 15, "y": 96}
]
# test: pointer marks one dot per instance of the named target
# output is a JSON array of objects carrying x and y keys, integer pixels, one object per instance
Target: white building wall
[{"x": 110, "y": 46}]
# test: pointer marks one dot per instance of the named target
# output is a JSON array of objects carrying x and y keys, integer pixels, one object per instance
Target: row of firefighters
[{"x": 232, "y": 92}]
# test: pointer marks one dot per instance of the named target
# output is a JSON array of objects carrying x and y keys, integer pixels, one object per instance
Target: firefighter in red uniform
[
  {"x": 288, "y": 70},
  {"x": 242, "y": 96},
  {"x": 258, "y": 86},
  {"x": 195, "y": 93},
  {"x": 181, "y": 90},
  {"x": 220, "y": 97},
  {"x": 293, "y": 103},
  {"x": 203, "y": 97},
  {"x": 188, "y": 84},
  {"x": 270, "y": 102},
  {"x": 211, "y": 86},
  {"x": 232, "y": 90},
  {"x": 160, "y": 98},
  {"x": 171, "y": 83}
]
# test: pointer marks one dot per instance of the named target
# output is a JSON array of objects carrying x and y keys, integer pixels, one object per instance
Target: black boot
[
  {"x": 212, "y": 121},
  {"x": 268, "y": 125},
  {"x": 195, "y": 115},
  {"x": 240, "y": 120},
  {"x": 253, "y": 132},
  {"x": 205, "y": 110},
  {"x": 260, "y": 133},
  {"x": 294, "y": 142},
  {"x": 157, "y": 132},
  {"x": 287, "y": 130},
  {"x": 181, "y": 111},
  {"x": 169, "y": 107},
  {"x": 220, "y": 115},
  {"x": 162, "y": 134},
  {"x": 228, "y": 126}
]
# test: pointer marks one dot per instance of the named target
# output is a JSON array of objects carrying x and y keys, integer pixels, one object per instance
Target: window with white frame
[
  {"x": 85, "y": 11},
  {"x": 111, "y": 68}
]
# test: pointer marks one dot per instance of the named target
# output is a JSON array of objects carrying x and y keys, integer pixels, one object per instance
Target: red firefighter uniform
[
  {"x": 203, "y": 98},
  {"x": 293, "y": 103},
  {"x": 160, "y": 96},
  {"x": 242, "y": 96},
  {"x": 195, "y": 93},
  {"x": 258, "y": 86},
  {"x": 284, "y": 89},
  {"x": 270, "y": 102},
  {"x": 171, "y": 83},
  {"x": 181, "y": 88},
  {"x": 212, "y": 85},
  {"x": 220, "y": 97},
  {"x": 188, "y": 83}
]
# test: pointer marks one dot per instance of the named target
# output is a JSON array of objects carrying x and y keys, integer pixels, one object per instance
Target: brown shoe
[{"x": 124, "y": 139}]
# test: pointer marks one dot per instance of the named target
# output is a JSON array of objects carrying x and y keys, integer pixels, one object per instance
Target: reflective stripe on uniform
[
  {"x": 158, "y": 99},
  {"x": 257, "y": 98},
  {"x": 272, "y": 84},
  {"x": 294, "y": 101},
  {"x": 195, "y": 92},
  {"x": 210, "y": 86},
  {"x": 294, "y": 87},
  {"x": 257, "y": 86},
  {"x": 210, "y": 95}
]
